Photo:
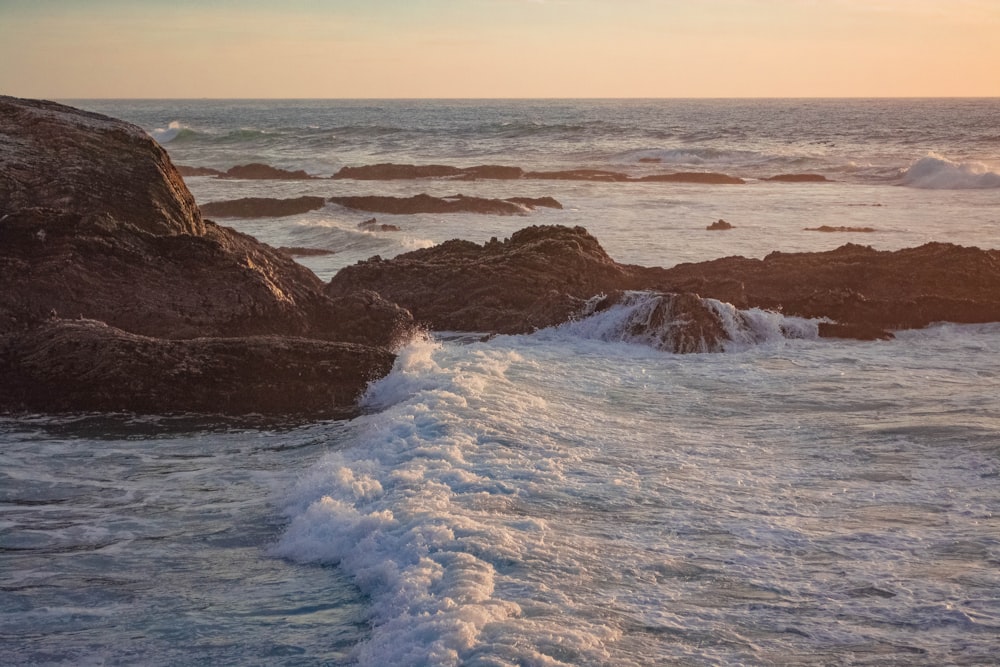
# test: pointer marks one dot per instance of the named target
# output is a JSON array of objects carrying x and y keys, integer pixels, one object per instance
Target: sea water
[{"x": 569, "y": 497}]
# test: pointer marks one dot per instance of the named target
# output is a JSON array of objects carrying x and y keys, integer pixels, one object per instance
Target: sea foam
[{"x": 935, "y": 172}]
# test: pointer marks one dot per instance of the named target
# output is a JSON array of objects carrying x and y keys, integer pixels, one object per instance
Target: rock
[
  {"x": 650, "y": 160},
  {"x": 262, "y": 207},
  {"x": 829, "y": 229},
  {"x": 296, "y": 251},
  {"x": 706, "y": 178},
  {"x": 719, "y": 225},
  {"x": 427, "y": 204},
  {"x": 372, "y": 225},
  {"x": 799, "y": 178},
  {"x": 539, "y": 277},
  {"x": 257, "y": 171},
  {"x": 535, "y": 202},
  {"x": 855, "y": 285},
  {"x": 97, "y": 225},
  {"x": 84, "y": 365},
  {"x": 389, "y": 172},
  {"x": 493, "y": 172},
  {"x": 90, "y": 167}
]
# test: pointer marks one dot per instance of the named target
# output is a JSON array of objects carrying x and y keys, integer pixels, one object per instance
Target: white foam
[
  {"x": 936, "y": 172},
  {"x": 419, "y": 509},
  {"x": 166, "y": 134},
  {"x": 637, "y": 319}
]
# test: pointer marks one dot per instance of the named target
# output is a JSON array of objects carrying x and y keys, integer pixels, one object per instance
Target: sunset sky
[{"x": 66, "y": 49}]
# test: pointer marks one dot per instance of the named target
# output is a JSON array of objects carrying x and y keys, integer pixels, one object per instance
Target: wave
[
  {"x": 685, "y": 323},
  {"x": 421, "y": 509},
  {"x": 173, "y": 132},
  {"x": 935, "y": 172}
]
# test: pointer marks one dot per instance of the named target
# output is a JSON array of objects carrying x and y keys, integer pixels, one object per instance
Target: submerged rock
[
  {"x": 719, "y": 225},
  {"x": 829, "y": 229},
  {"x": 708, "y": 177},
  {"x": 262, "y": 207},
  {"x": 258, "y": 171},
  {"x": 96, "y": 224},
  {"x": 799, "y": 178}
]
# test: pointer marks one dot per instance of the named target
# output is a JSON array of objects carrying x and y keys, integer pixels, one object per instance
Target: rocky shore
[{"x": 119, "y": 296}]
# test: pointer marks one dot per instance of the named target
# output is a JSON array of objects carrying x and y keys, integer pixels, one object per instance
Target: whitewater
[{"x": 576, "y": 496}]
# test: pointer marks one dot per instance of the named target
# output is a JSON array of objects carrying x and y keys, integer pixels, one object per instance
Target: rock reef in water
[
  {"x": 262, "y": 207},
  {"x": 252, "y": 171},
  {"x": 719, "y": 225},
  {"x": 96, "y": 224},
  {"x": 541, "y": 276},
  {"x": 424, "y": 203}
]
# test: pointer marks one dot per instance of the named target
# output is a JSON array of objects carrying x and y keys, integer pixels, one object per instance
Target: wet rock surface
[{"x": 262, "y": 207}]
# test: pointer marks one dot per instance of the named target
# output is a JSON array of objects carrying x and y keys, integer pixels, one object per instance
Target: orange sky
[{"x": 499, "y": 48}]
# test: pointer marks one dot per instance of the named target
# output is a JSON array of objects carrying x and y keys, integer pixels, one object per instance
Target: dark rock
[
  {"x": 296, "y": 251},
  {"x": 707, "y": 178},
  {"x": 856, "y": 331},
  {"x": 650, "y": 160},
  {"x": 262, "y": 207},
  {"x": 389, "y": 172},
  {"x": 719, "y": 225},
  {"x": 97, "y": 224},
  {"x": 828, "y": 228},
  {"x": 89, "y": 167},
  {"x": 257, "y": 171},
  {"x": 84, "y": 365},
  {"x": 799, "y": 178},
  {"x": 427, "y": 204},
  {"x": 373, "y": 225},
  {"x": 538, "y": 277},
  {"x": 197, "y": 171}
]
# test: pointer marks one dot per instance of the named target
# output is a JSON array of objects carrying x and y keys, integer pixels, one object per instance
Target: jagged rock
[
  {"x": 262, "y": 207},
  {"x": 538, "y": 277},
  {"x": 258, "y": 171},
  {"x": 97, "y": 224},
  {"x": 719, "y": 225}
]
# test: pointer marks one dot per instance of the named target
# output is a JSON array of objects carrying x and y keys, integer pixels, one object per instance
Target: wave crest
[
  {"x": 936, "y": 172},
  {"x": 685, "y": 323}
]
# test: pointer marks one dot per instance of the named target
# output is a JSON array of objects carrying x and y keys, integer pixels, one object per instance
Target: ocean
[{"x": 567, "y": 497}]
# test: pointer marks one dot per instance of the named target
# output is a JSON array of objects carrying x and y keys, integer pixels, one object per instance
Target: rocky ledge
[
  {"x": 542, "y": 276},
  {"x": 105, "y": 257}
]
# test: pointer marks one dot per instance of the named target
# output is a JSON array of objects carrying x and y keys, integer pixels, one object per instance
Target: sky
[{"x": 73, "y": 49}]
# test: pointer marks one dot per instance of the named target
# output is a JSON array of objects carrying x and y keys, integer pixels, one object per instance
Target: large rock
[
  {"x": 538, "y": 277},
  {"x": 89, "y": 167},
  {"x": 542, "y": 275},
  {"x": 74, "y": 365},
  {"x": 262, "y": 207},
  {"x": 424, "y": 203},
  {"x": 96, "y": 224}
]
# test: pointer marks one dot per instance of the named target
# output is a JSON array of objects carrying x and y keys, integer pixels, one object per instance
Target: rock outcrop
[
  {"x": 541, "y": 276},
  {"x": 799, "y": 178},
  {"x": 719, "y": 225},
  {"x": 262, "y": 207},
  {"x": 96, "y": 224}
]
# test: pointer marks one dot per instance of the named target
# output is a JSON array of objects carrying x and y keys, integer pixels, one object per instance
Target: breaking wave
[
  {"x": 685, "y": 323},
  {"x": 935, "y": 172}
]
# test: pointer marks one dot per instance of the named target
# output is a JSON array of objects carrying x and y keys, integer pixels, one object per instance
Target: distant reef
[{"x": 119, "y": 296}]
